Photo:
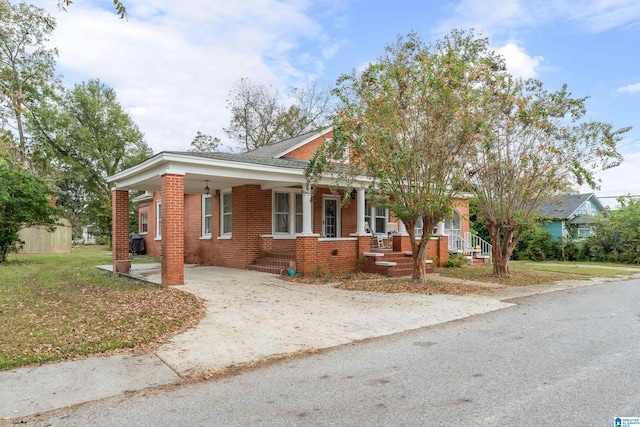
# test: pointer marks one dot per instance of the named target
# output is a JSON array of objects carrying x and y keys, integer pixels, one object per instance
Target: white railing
[{"x": 479, "y": 246}]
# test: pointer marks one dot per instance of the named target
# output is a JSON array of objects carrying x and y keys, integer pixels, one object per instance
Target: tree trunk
[{"x": 419, "y": 266}]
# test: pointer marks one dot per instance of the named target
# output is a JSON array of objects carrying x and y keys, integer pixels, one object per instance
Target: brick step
[
  {"x": 265, "y": 269},
  {"x": 288, "y": 255},
  {"x": 273, "y": 262}
]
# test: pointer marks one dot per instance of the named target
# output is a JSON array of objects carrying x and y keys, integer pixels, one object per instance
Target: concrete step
[
  {"x": 288, "y": 255},
  {"x": 273, "y": 262}
]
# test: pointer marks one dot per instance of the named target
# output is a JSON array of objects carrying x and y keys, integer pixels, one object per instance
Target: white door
[{"x": 330, "y": 217}]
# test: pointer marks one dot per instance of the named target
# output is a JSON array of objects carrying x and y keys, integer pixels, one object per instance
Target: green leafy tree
[
  {"x": 260, "y": 116},
  {"x": 89, "y": 136},
  {"x": 408, "y": 122},
  {"x": 27, "y": 67},
  {"x": 534, "y": 146},
  {"x": 25, "y": 201},
  {"x": 617, "y": 239}
]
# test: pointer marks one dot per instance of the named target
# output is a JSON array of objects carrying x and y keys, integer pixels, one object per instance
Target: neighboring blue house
[{"x": 577, "y": 210}]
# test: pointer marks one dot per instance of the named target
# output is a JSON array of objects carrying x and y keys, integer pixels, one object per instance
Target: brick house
[{"x": 250, "y": 211}]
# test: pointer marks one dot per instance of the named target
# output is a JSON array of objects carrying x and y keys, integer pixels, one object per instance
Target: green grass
[
  {"x": 582, "y": 269},
  {"x": 532, "y": 273},
  {"x": 58, "y": 307}
]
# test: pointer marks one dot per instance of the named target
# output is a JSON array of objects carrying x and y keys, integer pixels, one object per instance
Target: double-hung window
[
  {"x": 281, "y": 213},
  {"x": 287, "y": 212},
  {"x": 225, "y": 214},
  {"x": 144, "y": 222},
  {"x": 158, "y": 219},
  {"x": 381, "y": 219},
  {"x": 206, "y": 215}
]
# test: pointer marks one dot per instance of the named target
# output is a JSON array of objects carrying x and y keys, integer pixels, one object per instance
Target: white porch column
[
  {"x": 360, "y": 211},
  {"x": 306, "y": 213},
  {"x": 402, "y": 229},
  {"x": 440, "y": 229}
]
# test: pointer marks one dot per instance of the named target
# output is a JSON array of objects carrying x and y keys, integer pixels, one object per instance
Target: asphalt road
[{"x": 567, "y": 358}]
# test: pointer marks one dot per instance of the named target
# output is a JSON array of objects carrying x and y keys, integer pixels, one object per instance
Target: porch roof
[{"x": 216, "y": 170}]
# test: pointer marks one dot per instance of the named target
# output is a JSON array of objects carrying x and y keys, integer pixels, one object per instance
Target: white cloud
[
  {"x": 630, "y": 88},
  {"x": 172, "y": 64},
  {"x": 621, "y": 180},
  {"x": 518, "y": 62}
]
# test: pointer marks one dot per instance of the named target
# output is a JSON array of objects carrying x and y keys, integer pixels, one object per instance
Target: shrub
[{"x": 456, "y": 260}]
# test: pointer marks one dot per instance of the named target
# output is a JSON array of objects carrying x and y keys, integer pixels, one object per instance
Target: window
[
  {"x": 206, "y": 215},
  {"x": 225, "y": 216},
  {"x": 144, "y": 222},
  {"x": 158, "y": 219},
  {"x": 281, "y": 213},
  {"x": 367, "y": 213},
  {"x": 298, "y": 212},
  {"x": 381, "y": 219},
  {"x": 584, "y": 231},
  {"x": 287, "y": 212}
]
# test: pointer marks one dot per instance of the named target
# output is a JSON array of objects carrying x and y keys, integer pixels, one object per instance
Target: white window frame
[
  {"x": 293, "y": 213},
  {"x": 370, "y": 216},
  {"x": 158, "y": 220},
  {"x": 206, "y": 201},
  {"x": 225, "y": 234},
  {"x": 145, "y": 216}
]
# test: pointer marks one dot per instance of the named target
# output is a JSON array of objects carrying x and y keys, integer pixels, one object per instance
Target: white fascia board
[{"x": 304, "y": 142}]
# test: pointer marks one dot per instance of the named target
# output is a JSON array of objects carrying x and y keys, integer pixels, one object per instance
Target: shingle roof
[
  {"x": 279, "y": 147},
  {"x": 562, "y": 206},
  {"x": 248, "y": 158}
]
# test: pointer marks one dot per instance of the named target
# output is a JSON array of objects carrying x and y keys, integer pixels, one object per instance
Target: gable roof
[
  {"x": 566, "y": 205},
  {"x": 281, "y": 148}
]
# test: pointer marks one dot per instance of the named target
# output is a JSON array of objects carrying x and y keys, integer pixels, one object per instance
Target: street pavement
[{"x": 250, "y": 316}]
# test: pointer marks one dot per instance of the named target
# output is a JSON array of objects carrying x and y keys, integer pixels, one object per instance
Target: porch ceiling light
[{"x": 206, "y": 189}]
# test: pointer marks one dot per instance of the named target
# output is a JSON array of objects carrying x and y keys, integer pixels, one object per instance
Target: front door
[{"x": 330, "y": 217}]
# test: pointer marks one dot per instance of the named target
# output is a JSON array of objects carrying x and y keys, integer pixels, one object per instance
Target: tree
[
  {"x": 89, "y": 136},
  {"x": 27, "y": 68},
  {"x": 532, "y": 148},
  {"x": 259, "y": 115},
  {"x": 203, "y": 143},
  {"x": 117, "y": 4},
  {"x": 24, "y": 202},
  {"x": 409, "y": 121},
  {"x": 617, "y": 239}
]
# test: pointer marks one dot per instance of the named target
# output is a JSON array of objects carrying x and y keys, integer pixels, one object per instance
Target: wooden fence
[{"x": 38, "y": 240}]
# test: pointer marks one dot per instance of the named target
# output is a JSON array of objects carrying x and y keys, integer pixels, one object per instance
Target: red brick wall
[
  {"x": 306, "y": 151},
  {"x": 172, "y": 248},
  {"x": 120, "y": 226}
]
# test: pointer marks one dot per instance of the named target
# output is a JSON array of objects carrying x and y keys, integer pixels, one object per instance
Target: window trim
[
  {"x": 158, "y": 220},
  {"x": 223, "y": 234},
  {"x": 293, "y": 214},
  {"x": 144, "y": 225},
  {"x": 206, "y": 198}
]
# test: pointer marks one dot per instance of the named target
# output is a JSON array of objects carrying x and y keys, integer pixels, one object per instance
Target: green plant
[
  {"x": 456, "y": 260},
  {"x": 535, "y": 244},
  {"x": 360, "y": 263}
]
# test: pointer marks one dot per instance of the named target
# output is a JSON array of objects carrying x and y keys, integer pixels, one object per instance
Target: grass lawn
[{"x": 59, "y": 307}]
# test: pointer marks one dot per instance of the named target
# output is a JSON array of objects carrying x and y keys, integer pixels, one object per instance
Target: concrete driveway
[
  {"x": 250, "y": 316},
  {"x": 253, "y": 315}
]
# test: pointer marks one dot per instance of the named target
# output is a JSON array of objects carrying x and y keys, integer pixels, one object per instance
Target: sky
[{"x": 173, "y": 63}]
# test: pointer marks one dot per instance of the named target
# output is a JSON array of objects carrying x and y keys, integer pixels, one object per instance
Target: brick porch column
[
  {"x": 306, "y": 253},
  {"x": 172, "y": 191},
  {"x": 443, "y": 249},
  {"x": 119, "y": 226}
]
